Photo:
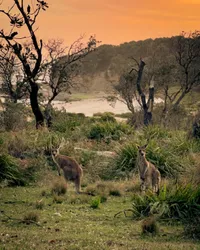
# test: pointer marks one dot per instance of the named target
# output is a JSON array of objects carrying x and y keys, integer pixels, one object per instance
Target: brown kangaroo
[
  {"x": 149, "y": 174},
  {"x": 71, "y": 169}
]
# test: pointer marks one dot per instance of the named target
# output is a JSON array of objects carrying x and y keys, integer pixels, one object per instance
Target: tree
[
  {"x": 12, "y": 78},
  {"x": 130, "y": 88},
  {"x": 60, "y": 69},
  {"x": 63, "y": 66},
  {"x": 29, "y": 54},
  {"x": 186, "y": 48}
]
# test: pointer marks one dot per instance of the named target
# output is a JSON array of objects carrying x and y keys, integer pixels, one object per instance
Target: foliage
[
  {"x": 59, "y": 188},
  {"x": 105, "y": 117},
  {"x": 108, "y": 131},
  {"x": 95, "y": 202},
  {"x": 10, "y": 171},
  {"x": 149, "y": 226},
  {"x": 31, "y": 217},
  {"x": 192, "y": 228},
  {"x": 64, "y": 122},
  {"x": 180, "y": 203},
  {"x": 14, "y": 117}
]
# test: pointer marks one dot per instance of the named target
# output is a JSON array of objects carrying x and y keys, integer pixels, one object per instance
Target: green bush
[
  {"x": 106, "y": 116},
  {"x": 125, "y": 161},
  {"x": 14, "y": 116},
  {"x": 95, "y": 202},
  {"x": 65, "y": 122},
  {"x": 10, "y": 171},
  {"x": 108, "y": 131},
  {"x": 180, "y": 203}
]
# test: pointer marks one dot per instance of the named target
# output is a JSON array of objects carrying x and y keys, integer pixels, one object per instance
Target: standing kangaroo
[
  {"x": 149, "y": 174},
  {"x": 71, "y": 169}
]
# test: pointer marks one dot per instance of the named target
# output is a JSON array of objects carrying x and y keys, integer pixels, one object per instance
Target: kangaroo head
[
  {"x": 142, "y": 150},
  {"x": 54, "y": 152}
]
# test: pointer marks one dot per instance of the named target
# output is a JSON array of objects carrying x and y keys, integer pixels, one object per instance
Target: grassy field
[{"x": 71, "y": 223}]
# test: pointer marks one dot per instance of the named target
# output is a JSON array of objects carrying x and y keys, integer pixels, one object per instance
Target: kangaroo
[
  {"x": 71, "y": 169},
  {"x": 149, "y": 174}
]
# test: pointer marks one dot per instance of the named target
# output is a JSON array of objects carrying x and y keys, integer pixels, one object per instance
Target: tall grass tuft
[
  {"x": 108, "y": 131},
  {"x": 10, "y": 171},
  {"x": 180, "y": 203}
]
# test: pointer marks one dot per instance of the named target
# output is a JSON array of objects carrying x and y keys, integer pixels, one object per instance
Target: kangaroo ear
[{"x": 144, "y": 146}]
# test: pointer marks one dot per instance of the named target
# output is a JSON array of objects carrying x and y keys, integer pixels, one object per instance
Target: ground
[{"x": 71, "y": 223}]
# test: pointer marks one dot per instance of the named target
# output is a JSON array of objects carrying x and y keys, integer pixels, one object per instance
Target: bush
[
  {"x": 14, "y": 116},
  {"x": 65, "y": 122},
  {"x": 181, "y": 203},
  {"x": 106, "y": 116},
  {"x": 125, "y": 161},
  {"x": 10, "y": 171},
  {"x": 31, "y": 217},
  {"x": 108, "y": 131},
  {"x": 95, "y": 202},
  {"x": 149, "y": 226},
  {"x": 59, "y": 188},
  {"x": 192, "y": 228}
]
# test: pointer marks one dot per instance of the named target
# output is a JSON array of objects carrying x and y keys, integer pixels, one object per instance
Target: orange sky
[{"x": 115, "y": 21}]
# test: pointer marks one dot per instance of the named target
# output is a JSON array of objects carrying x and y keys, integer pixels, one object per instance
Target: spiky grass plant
[
  {"x": 31, "y": 217},
  {"x": 10, "y": 171},
  {"x": 181, "y": 203}
]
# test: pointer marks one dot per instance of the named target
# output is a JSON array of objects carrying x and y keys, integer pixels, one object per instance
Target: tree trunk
[
  {"x": 48, "y": 114},
  {"x": 147, "y": 117},
  {"x": 39, "y": 118},
  {"x": 177, "y": 103}
]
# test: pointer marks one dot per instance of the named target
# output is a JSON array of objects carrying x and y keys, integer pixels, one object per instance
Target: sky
[{"x": 114, "y": 21}]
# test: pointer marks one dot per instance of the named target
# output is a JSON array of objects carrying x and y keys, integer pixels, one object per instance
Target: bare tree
[
  {"x": 22, "y": 16},
  {"x": 63, "y": 66},
  {"x": 12, "y": 84},
  {"x": 186, "y": 49}
]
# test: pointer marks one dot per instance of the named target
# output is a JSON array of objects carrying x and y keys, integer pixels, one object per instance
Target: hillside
[{"x": 102, "y": 68}]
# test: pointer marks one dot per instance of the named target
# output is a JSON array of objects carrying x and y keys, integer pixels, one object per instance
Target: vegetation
[{"x": 38, "y": 208}]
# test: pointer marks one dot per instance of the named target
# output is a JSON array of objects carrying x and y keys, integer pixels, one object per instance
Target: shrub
[
  {"x": 95, "y": 202},
  {"x": 156, "y": 132},
  {"x": 10, "y": 171},
  {"x": 149, "y": 226},
  {"x": 30, "y": 217},
  {"x": 125, "y": 161},
  {"x": 14, "y": 117},
  {"x": 115, "y": 192},
  {"x": 108, "y": 131},
  {"x": 181, "y": 203},
  {"x": 59, "y": 188},
  {"x": 65, "y": 122},
  {"x": 192, "y": 228},
  {"x": 107, "y": 117}
]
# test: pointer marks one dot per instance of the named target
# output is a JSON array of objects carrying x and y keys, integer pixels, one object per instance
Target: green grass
[{"x": 75, "y": 225}]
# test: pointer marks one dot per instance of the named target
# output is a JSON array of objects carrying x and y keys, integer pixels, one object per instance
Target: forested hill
[{"x": 103, "y": 67}]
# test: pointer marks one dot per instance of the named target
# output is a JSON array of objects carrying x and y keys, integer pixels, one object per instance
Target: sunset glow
[{"x": 115, "y": 21}]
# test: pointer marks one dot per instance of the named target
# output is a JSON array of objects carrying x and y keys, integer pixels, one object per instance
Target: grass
[{"x": 76, "y": 225}]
